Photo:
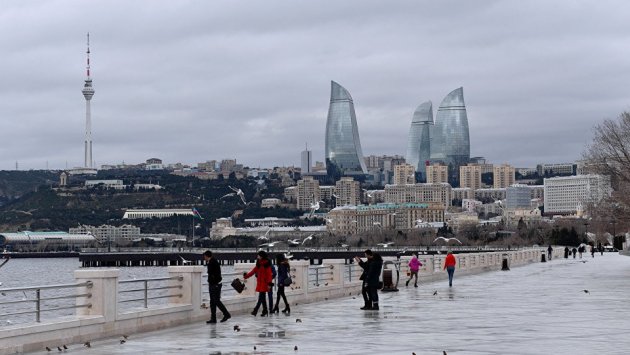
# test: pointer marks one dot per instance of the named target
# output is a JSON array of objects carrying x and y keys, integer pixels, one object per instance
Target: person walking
[
  {"x": 414, "y": 267},
  {"x": 574, "y": 251},
  {"x": 592, "y": 251},
  {"x": 449, "y": 266},
  {"x": 262, "y": 270},
  {"x": 270, "y": 293},
  {"x": 284, "y": 280},
  {"x": 549, "y": 252},
  {"x": 566, "y": 252},
  {"x": 214, "y": 286},
  {"x": 581, "y": 250}
]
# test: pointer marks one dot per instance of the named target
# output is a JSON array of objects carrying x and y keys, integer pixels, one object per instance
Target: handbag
[
  {"x": 287, "y": 281},
  {"x": 238, "y": 285}
]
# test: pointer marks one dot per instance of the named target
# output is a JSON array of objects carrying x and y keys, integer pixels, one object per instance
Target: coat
[
  {"x": 374, "y": 268},
  {"x": 414, "y": 264},
  {"x": 283, "y": 273},
  {"x": 450, "y": 261},
  {"x": 264, "y": 277},
  {"x": 214, "y": 272}
]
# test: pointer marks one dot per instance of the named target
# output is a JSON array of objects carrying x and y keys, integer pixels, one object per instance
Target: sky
[{"x": 191, "y": 81}]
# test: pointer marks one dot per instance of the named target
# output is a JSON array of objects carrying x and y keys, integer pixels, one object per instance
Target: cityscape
[{"x": 213, "y": 142}]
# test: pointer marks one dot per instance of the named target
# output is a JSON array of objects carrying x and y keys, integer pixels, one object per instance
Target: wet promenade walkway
[{"x": 535, "y": 309}]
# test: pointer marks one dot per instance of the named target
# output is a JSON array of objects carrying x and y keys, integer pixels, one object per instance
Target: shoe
[
  {"x": 415, "y": 285},
  {"x": 366, "y": 308},
  {"x": 275, "y": 310},
  {"x": 375, "y": 307},
  {"x": 407, "y": 283},
  {"x": 264, "y": 313},
  {"x": 225, "y": 318},
  {"x": 254, "y": 313},
  {"x": 286, "y": 310},
  {"x": 211, "y": 321}
]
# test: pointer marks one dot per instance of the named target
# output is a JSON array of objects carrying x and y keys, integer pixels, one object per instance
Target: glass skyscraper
[
  {"x": 343, "y": 147},
  {"x": 450, "y": 137},
  {"x": 419, "y": 142}
]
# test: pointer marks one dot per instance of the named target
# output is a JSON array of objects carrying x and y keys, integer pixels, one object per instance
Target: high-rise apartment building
[
  {"x": 347, "y": 192},
  {"x": 306, "y": 161},
  {"x": 343, "y": 147},
  {"x": 451, "y": 138},
  {"x": 503, "y": 176},
  {"x": 437, "y": 173},
  {"x": 404, "y": 174},
  {"x": 419, "y": 193},
  {"x": 470, "y": 176},
  {"x": 307, "y": 192},
  {"x": 419, "y": 141},
  {"x": 565, "y": 195},
  {"x": 227, "y": 165},
  {"x": 518, "y": 196}
]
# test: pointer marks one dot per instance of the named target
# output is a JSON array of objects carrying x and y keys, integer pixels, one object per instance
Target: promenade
[{"x": 540, "y": 308}]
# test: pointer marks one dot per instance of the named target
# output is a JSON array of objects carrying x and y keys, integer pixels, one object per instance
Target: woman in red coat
[
  {"x": 449, "y": 266},
  {"x": 264, "y": 281}
]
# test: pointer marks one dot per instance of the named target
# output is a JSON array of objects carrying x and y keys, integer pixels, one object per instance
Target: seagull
[
  {"x": 310, "y": 237},
  {"x": 269, "y": 245},
  {"x": 48, "y": 349},
  {"x": 87, "y": 344},
  {"x": 586, "y": 291},
  {"x": 344, "y": 245},
  {"x": 288, "y": 256},
  {"x": 385, "y": 245},
  {"x": 239, "y": 193},
  {"x": 446, "y": 239},
  {"x": 293, "y": 242},
  {"x": 328, "y": 220},
  {"x": 335, "y": 196},
  {"x": 265, "y": 236},
  {"x": 184, "y": 261},
  {"x": 228, "y": 195},
  {"x": 369, "y": 194},
  {"x": 314, "y": 207},
  {"x": 378, "y": 224}
]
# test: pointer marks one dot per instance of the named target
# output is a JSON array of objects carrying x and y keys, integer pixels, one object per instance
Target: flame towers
[
  {"x": 343, "y": 147},
  {"x": 450, "y": 136},
  {"x": 419, "y": 142}
]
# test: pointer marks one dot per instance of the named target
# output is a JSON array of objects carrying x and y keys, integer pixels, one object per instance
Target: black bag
[
  {"x": 287, "y": 282},
  {"x": 238, "y": 285}
]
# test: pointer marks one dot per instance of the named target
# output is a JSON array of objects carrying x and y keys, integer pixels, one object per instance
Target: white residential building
[{"x": 563, "y": 195}]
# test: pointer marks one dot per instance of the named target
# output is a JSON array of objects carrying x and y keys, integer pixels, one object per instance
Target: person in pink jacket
[{"x": 414, "y": 267}]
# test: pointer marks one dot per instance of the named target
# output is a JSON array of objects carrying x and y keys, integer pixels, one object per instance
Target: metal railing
[
  {"x": 145, "y": 289},
  {"x": 352, "y": 272},
  {"x": 39, "y": 300},
  {"x": 320, "y": 273}
]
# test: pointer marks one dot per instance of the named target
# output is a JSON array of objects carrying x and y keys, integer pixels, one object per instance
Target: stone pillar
[
  {"x": 104, "y": 293},
  {"x": 191, "y": 285},
  {"x": 300, "y": 279}
]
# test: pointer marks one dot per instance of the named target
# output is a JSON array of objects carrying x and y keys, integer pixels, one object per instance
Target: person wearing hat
[{"x": 264, "y": 281}]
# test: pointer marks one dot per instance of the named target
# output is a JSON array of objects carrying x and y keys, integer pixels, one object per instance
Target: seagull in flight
[
  {"x": 294, "y": 242},
  {"x": 446, "y": 239},
  {"x": 378, "y": 224},
  {"x": 314, "y": 207},
  {"x": 310, "y": 237},
  {"x": 369, "y": 193},
  {"x": 269, "y": 245},
  {"x": 239, "y": 193},
  {"x": 231, "y": 194},
  {"x": 184, "y": 261},
  {"x": 265, "y": 236},
  {"x": 385, "y": 245}
]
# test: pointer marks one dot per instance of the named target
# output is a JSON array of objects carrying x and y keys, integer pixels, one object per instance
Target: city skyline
[{"x": 189, "y": 82}]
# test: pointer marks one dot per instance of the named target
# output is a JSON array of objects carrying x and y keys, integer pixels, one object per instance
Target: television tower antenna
[{"x": 88, "y": 92}]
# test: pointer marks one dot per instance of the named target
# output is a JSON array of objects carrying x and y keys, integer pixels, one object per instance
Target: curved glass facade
[
  {"x": 450, "y": 136},
  {"x": 419, "y": 142},
  {"x": 343, "y": 147}
]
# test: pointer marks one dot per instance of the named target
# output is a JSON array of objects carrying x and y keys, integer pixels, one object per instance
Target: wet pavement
[{"x": 534, "y": 309}]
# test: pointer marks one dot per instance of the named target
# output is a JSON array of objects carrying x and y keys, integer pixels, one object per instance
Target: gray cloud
[{"x": 192, "y": 81}]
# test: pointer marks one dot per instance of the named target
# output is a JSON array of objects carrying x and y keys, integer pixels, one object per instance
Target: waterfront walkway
[{"x": 535, "y": 309}]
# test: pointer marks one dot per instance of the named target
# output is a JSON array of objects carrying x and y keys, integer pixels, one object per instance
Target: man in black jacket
[
  {"x": 214, "y": 284},
  {"x": 371, "y": 276}
]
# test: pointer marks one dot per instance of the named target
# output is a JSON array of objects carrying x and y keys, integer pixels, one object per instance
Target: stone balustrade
[{"x": 332, "y": 279}]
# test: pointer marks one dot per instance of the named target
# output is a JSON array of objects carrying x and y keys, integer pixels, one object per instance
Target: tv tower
[{"x": 88, "y": 92}]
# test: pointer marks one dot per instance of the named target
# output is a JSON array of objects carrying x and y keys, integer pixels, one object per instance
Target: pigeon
[
  {"x": 237, "y": 328},
  {"x": 298, "y": 320},
  {"x": 122, "y": 341},
  {"x": 204, "y": 306},
  {"x": 48, "y": 349},
  {"x": 65, "y": 347},
  {"x": 87, "y": 344},
  {"x": 435, "y": 293},
  {"x": 59, "y": 348},
  {"x": 125, "y": 336},
  {"x": 444, "y": 352},
  {"x": 295, "y": 348},
  {"x": 254, "y": 347},
  {"x": 586, "y": 291}
]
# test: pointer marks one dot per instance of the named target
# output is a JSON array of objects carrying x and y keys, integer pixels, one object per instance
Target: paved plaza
[{"x": 540, "y": 308}]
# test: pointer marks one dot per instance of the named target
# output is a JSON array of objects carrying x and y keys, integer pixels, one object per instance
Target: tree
[{"x": 609, "y": 154}]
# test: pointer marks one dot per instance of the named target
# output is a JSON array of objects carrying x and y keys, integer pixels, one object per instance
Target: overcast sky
[{"x": 190, "y": 81}]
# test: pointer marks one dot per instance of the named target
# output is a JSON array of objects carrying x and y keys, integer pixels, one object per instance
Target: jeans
[
  {"x": 451, "y": 271},
  {"x": 280, "y": 293},
  {"x": 366, "y": 295},
  {"x": 373, "y": 292},
  {"x": 215, "y": 301},
  {"x": 262, "y": 301}
]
